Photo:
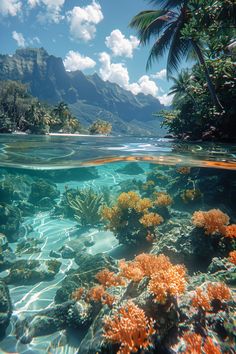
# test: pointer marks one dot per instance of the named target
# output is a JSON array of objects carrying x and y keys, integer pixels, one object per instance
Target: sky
[{"x": 89, "y": 35}]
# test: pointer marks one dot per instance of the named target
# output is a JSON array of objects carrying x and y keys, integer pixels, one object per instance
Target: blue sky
[{"x": 92, "y": 36}]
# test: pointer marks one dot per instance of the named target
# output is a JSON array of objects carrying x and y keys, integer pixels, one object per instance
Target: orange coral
[
  {"x": 144, "y": 265},
  {"x": 210, "y": 348},
  {"x": 77, "y": 294},
  {"x": 201, "y": 300},
  {"x": 143, "y": 205},
  {"x": 151, "y": 219},
  {"x": 130, "y": 328},
  {"x": 213, "y": 221},
  {"x": 108, "y": 299},
  {"x": 108, "y": 278},
  {"x": 218, "y": 291},
  {"x": 162, "y": 199},
  {"x": 131, "y": 271},
  {"x": 232, "y": 257},
  {"x": 193, "y": 343},
  {"x": 168, "y": 282},
  {"x": 96, "y": 293},
  {"x": 230, "y": 231}
]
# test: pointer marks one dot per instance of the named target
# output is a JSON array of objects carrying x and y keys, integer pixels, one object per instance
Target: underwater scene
[{"x": 116, "y": 245}]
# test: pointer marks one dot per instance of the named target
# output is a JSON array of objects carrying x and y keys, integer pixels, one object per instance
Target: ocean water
[{"x": 40, "y": 221}]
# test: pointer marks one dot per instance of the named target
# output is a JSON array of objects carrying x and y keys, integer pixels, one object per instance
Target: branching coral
[
  {"x": 193, "y": 343},
  {"x": 170, "y": 282},
  {"x": 230, "y": 231},
  {"x": 213, "y": 221},
  {"x": 165, "y": 278},
  {"x": 131, "y": 218},
  {"x": 214, "y": 291},
  {"x": 232, "y": 257},
  {"x": 210, "y": 348},
  {"x": 162, "y": 199},
  {"x": 130, "y": 328},
  {"x": 151, "y": 219},
  {"x": 200, "y": 299},
  {"x": 108, "y": 278},
  {"x": 218, "y": 291}
]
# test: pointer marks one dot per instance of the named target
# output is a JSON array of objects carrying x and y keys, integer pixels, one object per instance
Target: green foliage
[
  {"x": 86, "y": 204},
  {"x": 20, "y": 111},
  {"x": 204, "y": 97},
  {"x": 100, "y": 127}
]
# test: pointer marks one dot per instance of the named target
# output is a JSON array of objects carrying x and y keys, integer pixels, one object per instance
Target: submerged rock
[
  {"x": 10, "y": 219},
  {"x": 43, "y": 194},
  {"x": 89, "y": 266},
  {"x": 5, "y": 308},
  {"x": 25, "y": 272},
  {"x": 45, "y": 322}
]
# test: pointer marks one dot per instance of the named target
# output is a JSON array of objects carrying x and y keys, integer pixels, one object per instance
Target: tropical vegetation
[
  {"x": 202, "y": 31},
  {"x": 19, "y": 111}
]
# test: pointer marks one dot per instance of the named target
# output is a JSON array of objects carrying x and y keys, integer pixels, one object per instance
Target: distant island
[{"x": 88, "y": 98}]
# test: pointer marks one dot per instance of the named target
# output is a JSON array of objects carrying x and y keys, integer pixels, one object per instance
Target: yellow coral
[
  {"x": 128, "y": 200},
  {"x": 213, "y": 221},
  {"x": 162, "y": 199},
  {"x": 143, "y": 205},
  {"x": 151, "y": 219},
  {"x": 130, "y": 328}
]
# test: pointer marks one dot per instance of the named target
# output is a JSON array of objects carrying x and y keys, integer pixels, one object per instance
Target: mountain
[{"x": 89, "y": 97}]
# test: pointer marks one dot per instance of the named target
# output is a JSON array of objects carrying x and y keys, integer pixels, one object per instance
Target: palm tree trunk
[{"x": 210, "y": 85}]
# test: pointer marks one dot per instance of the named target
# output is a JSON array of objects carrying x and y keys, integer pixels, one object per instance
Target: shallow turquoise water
[{"x": 97, "y": 163}]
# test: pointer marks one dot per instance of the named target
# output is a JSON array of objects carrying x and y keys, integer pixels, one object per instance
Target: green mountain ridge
[{"x": 88, "y": 97}]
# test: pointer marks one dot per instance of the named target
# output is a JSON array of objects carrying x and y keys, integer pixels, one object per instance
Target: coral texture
[
  {"x": 162, "y": 199},
  {"x": 130, "y": 328},
  {"x": 230, "y": 231},
  {"x": 213, "y": 221}
]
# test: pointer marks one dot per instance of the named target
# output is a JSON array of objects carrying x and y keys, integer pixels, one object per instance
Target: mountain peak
[{"x": 89, "y": 97}]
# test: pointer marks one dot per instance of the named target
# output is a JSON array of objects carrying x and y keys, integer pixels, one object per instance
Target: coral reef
[
  {"x": 213, "y": 221},
  {"x": 86, "y": 204},
  {"x": 131, "y": 218},
  {"x": 232, "y": 257},
  {"x": 130, "y": 328}
]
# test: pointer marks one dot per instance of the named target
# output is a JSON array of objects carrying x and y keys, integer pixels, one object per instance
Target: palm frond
[
  {"x": 149, "y": 23},
  {"x": 179, "y": 47},
  {"x": 167, "y": 4},
  {"x": 161, "y": 45}
]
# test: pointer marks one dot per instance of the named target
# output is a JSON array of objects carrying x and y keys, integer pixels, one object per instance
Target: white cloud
[
  {"x": 10, "y": 7},
  {"x": 165, "y": 99},
  {"x": 52, "y": 11},
  {"x": 76, "y": 61},
  {"x": 161, "y": 75},
  {"x": 121, "y": 46},
  {"x": 118, "y": 73},
  {"x": 83, "y": 21},
  {"x": 144, "y": 85},
  {"x": 19, "y": 38},
  {"x": 34, "y": 40}
]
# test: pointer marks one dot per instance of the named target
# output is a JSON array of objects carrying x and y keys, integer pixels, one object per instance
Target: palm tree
[
  {"x": 182, "y": 86},
  {"x": 167, "y": 25}
]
